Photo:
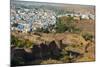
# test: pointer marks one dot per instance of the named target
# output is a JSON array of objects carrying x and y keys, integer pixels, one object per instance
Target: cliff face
[
  {"x": 61, "y": 47},
  {"x": 54, "y": 49}
]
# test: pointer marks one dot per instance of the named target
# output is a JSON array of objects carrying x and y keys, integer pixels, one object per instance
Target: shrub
[
  {"x": 88, "y": 36},
  {"x": 66, "y": 24},
  {"x": 61, "y": 27},
  {"x": 20, "y": 42},
  {"x": 13, "y": 40}
]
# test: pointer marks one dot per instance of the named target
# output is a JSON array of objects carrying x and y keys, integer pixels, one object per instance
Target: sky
[{"x": 83, "y": 2}]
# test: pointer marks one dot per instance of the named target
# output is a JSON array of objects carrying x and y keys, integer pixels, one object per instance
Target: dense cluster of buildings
[
  {"x": 79, "y": 16},
  {"x": 31, "y": 19}
]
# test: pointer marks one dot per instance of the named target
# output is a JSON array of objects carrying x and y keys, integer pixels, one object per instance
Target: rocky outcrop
[{"x": 44, "y": 51}]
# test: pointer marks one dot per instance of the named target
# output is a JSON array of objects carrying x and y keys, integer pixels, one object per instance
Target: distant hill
[{"x": 85, "y": 9}]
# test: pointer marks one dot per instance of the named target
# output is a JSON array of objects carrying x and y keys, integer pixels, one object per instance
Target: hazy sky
[{"x": 87, "y": 2}]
